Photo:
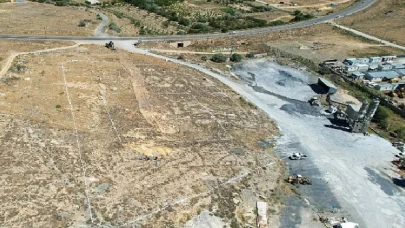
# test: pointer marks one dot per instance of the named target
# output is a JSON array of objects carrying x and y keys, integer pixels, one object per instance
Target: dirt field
[
  {"x": 10, "y": 47},
  {"x": 49, "y": 20},
  {"x": 317, "y": 43},
  {"x": 151, "y": 21},
  {"x": 77, "y": 125},
  {"x": 384, "y": 20}
]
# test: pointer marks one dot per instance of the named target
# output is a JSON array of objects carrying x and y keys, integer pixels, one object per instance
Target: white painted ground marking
[{"x": 82, "y": 163}]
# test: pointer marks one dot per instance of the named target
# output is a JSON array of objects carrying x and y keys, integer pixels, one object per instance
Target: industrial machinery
[
  {"x": 359, "y": 120},
  {"x": 314, "y": 101},
  {"x": 297, "y": 156},
  {"x": 299, "y": 179},
  {"x": 110, "y": 45}
]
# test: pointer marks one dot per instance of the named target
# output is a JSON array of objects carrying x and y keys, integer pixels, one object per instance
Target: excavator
[{"x": 110, "y": 45}]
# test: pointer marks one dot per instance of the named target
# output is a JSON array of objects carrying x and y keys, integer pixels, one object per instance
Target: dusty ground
[
  {"x": 76, "y": 122},
  {"x": 10, "y": 47},
  {"x": 49, "y": 20},
  {"x": 384, "y": 20},
  {"x": 151, "y": 21},
  {"x": 317, "y": 43}
]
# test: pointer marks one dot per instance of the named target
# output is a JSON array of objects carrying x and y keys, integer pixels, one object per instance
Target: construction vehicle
[
  {"x": 110, "y": 45},
  {"x": 314, "y": 101},
  {"x": 297, "y": 156},
  {"x": 299, "y": 179},
  {"x": 346, "y": 225}
]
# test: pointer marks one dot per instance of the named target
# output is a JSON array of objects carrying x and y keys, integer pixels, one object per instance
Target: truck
[
  {"x": 346, "y": 225},
  {"x": 297, "y": 156}
]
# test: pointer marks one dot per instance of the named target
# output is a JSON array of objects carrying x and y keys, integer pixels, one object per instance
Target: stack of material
[{"x": 261, "y": 214}]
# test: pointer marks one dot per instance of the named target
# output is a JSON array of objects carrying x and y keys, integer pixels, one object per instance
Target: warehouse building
[{"x": 357, "y": 75}]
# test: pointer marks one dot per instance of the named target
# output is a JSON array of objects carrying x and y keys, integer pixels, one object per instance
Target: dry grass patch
[
  {"x": 125, "y": 106},
  {"x": 31, "y": 18},
  {"x": 385, "y": 20}
]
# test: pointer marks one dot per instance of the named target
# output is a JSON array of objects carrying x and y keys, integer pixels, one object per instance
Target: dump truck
[
  {"x": 299, "y": 179},
  {"x": 297, "y": 156}
]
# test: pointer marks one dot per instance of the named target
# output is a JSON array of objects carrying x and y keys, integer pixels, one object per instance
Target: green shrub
[
  {"x": 218, "y": 58},
  {"x": 184, "y": 21},
  {"x": 82, "y": 23},
  {"x": 118, "y": 14},
  {"x": 277, "y": 22},
  {"x": 236, "y": 57},
  {"x": 299, "y": 16},
  {"x": 381, "y": 116},
  {"x": 204, "y": 58},
  {"x": 114, "y": 27}
]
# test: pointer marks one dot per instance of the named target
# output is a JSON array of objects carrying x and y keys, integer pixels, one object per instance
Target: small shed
[
  {"x": 328, "y": 86},
  {"x": 373, "y": 66},
  {"x": 351, "y": 68},
  {"x": 388, "y": 58},
  {"x": 362, "y": 67},
  {"x": 397, "y": 66},
  {"x": 384, "y": 67},
  {"x": 363, "y": 60},
  {"x": 380, "y": 75},
  {"x": 357, "y": 75},
  {"x": 375, "y": 59},
  {"x": 388, "y": 86},
  {"x": 351, "y": 61}
]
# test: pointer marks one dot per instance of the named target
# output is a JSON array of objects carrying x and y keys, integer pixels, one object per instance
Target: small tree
[
  {"x": 218, "y": 58},
  {"x": 82, "y": 23},
  {"x": 204, "y": 58},
  {"x": 236, "y": 57}
]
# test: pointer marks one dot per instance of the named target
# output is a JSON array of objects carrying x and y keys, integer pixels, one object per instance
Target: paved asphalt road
[{"x": 360, "y": 5}]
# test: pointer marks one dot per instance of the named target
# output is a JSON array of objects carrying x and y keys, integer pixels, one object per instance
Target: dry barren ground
[
  {"x": 317, "y": 43},
  {"x": 33, "y": 18},
  {"x": 10, "y": 47},
  {"x": 385, "y": 20},
  {"x": 75, "y": 123}
]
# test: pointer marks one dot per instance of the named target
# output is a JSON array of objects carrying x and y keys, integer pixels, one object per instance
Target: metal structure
[{"x": 359, "y": 121}]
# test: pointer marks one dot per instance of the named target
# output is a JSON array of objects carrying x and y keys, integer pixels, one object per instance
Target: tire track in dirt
[{"x": 11, "y": 58}]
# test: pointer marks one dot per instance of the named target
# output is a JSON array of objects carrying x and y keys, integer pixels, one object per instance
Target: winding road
[{"x": 359, "y": 6}]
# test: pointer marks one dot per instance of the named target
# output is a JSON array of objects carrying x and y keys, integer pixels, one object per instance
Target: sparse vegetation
[
  {"x": 114, "y": 27},
  {"x": 218, "y": 58},
  {"x": 236, "y": 57},
  {"x": 300, "y": 16},
  {"x": 82, "y": 23}
]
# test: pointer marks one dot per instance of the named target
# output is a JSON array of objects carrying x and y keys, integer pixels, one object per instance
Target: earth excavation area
[{"x": 91, "y": 137}]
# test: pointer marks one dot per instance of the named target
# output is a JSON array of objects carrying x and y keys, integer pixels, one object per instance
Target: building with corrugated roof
[
  {"x": 377, "y": 76},
  {"x": 327, "y": 86}
]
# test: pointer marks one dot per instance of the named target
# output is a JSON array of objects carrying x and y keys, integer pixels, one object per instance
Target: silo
[
  {"x": 363, "y": 110},
  {"x": 372, "y": 109}
]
